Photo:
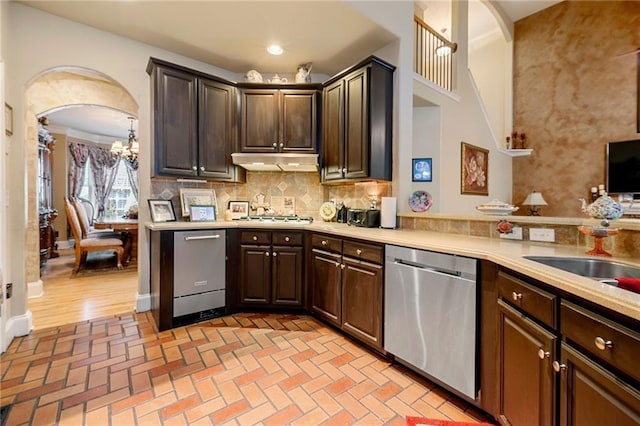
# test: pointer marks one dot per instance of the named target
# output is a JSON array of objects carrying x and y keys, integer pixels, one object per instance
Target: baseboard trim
[
  {"x": 65, "y": 244},
  {"x": 35, "y": 290},
  {"x": 143, "y": 302},
  {"x": 19, "y": 325}
]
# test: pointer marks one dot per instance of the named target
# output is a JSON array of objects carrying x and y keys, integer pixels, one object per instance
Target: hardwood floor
[{"x": 86, "y": 296}]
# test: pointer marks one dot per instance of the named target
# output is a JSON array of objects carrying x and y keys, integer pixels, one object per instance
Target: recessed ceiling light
[{"x": 275, "y": 49}]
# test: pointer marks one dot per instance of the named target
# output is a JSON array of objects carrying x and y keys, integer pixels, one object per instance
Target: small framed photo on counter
[
  {"x": 161, "y": 211},
  {"x": 421, "y": 170},
  {"x": 202, "y": 213},
  {"x": 238, "y": 209}
]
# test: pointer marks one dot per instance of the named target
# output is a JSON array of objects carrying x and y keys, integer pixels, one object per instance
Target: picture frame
[
  {"x": 199, "y": 213},
  {"x": 161, "y": 211},
  {"x": 8, "y": 119},
  {"x": 238, "y": 209},
  {"x": 474, "y": 173},
  {"x": 422, "y": 170},
  {"x": 200, "y": 197}
]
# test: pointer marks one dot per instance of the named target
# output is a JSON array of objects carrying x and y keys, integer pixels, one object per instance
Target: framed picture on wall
[
  {"x": 474, "y": 165},
  {"x": 421, "y": 170}
]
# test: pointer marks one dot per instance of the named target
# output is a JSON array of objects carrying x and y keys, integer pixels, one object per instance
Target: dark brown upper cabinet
[
  {"x": 357, "y": 123},
  {"x": 278, "y": 120},
  {"x": 194, "y": 119}
]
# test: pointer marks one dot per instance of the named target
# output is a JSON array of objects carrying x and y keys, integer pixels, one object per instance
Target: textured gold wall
[{"x": 572, "y": 95}]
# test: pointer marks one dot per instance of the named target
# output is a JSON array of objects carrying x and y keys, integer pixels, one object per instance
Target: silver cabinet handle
[
  {"x": 557, "y": 367},
  {"x": 542, "y": 354},
  {"x": 516, "y": 296},
  {"x": 275, "y": 144},
  {"x": 324, "y": 242},
  {"x": 194, "y": 168},
  {"x": 358, "y": 251},
  {"x": 202, "y": 237},
  {"x": 275, "y": 254},
  {"x": 342, "y": 266},
  {"x": 266, "y": 253},
  {"x": 254, "y": 238},
  {"x": 344, "y": 170},
  {"x": 337, "y": 264},
  {"x": 603, "y": 344},
  {"x": 281, "y": 144},
  {"x": 287, "y": 239},
  {"x": 202, "y": 168}
]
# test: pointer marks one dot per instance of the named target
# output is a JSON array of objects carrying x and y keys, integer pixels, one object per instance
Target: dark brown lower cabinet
[
  {"x": 287, "y": 275},
  {"x": 255, "y": 274},
  {"x": 526, "y": 353},
  {"x": 326, "y": 277},
  {"x": 362, "y": 300},
  {"x": 592, "y": 395},
  {"x": 271, "y": 274},
  {"x": 347, "y": 286}
]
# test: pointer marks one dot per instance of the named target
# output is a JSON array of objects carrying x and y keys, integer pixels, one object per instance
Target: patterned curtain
[
  {"x": 80, "y": 155},
  {"x": 132, "y": 173},
  {"x": 104, "y": 166}
]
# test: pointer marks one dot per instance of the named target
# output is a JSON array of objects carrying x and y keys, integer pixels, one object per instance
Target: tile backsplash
[{"x": 309, "y": 194}]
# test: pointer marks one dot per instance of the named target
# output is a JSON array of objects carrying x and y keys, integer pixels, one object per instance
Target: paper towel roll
[{"x": 388, "y": 211}]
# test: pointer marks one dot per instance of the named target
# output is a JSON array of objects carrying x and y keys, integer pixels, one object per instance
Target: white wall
[
  {"x": 462, "y": 120},
  {"x": 35, "y": 41},
  {"x": 488, "y": 64},
  {"x": 426, "y": 143}
]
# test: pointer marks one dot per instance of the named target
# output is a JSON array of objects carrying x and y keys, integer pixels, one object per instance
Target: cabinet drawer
[
  {"x": 255, "y": 237},
  {"x": 287, "y": 239},
  {"x": 534, "y": 301},
  {"x": 606, "y": 340},
  {"x": 323, "y": 242},
  {"x": 363, "y": 251}
]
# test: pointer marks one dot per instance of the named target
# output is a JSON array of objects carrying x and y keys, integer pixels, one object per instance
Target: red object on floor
[
  {"x": 423, "y": 421},
  {"x": 631, "y": 284}
]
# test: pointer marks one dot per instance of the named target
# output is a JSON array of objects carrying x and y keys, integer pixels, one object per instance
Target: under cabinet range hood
[{"x": 275, "y": 162}]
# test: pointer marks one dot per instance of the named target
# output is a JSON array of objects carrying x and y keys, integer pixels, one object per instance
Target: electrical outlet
[
  {"x": 542, "y": 234},
  {"x": 516, "y": 234}
]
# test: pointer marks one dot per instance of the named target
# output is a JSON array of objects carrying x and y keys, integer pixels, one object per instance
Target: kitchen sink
[{"x": 600, "y": 269}]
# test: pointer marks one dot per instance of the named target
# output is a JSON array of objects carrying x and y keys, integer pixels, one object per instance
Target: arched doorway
[{"x": 51, "y": 90}]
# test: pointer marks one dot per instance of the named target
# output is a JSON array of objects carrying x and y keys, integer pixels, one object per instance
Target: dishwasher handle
[
  {"x": 202, "y": 237},
  {"x": 456, "y": 274}
]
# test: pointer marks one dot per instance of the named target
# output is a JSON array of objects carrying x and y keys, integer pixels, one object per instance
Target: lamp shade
[
  {"x": 534, "y": 199},
  {"x": 116, "y": 147}
]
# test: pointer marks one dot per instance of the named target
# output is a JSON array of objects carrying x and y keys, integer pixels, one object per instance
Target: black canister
[{"x": 342, "y": 213}]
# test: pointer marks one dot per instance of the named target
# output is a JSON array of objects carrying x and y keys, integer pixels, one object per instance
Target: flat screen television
[{"x": 623, "y": 167}]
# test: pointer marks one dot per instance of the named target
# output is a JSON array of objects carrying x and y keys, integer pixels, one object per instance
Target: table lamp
[{"x": 533, "y": 200}]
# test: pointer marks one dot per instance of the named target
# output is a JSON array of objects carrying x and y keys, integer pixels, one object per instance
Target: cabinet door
[
  {"x": 175, "y": 122},
  {"x": 333, "y": 131},
  {"x": 255, "y": 275},
  {"x": 526, "y": 354},
  {"x": 287, "y": 276},
  {"x": 326, "y": 276},
  {"x": 356, "y": 118},
  {"x": 362, "y": 301},
  {"x": 216, "y": 129},
  {"x": 298, "y": 121},
  {"x": 260, "y": 115},
  {"x": 591, "y": 395}
]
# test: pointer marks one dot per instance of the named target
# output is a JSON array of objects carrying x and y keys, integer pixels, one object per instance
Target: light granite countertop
[{"x": 506, "y": 253}]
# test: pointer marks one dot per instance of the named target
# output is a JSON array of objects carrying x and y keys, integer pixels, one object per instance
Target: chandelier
[{"x": 131, "y": 150}]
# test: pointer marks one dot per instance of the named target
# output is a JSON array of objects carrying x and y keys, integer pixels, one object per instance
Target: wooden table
[{"x": 129, "y": 226}]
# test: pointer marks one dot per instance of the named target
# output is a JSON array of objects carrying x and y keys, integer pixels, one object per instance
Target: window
[{"x": 121, "y": 197}]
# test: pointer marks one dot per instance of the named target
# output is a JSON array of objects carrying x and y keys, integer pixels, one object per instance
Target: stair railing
[{"x": 432, "y": 55}]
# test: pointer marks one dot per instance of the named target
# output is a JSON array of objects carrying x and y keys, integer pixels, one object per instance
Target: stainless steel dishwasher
[
  {"x": 430, "y": 315},
  {"x": 199, "y": 271}
]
